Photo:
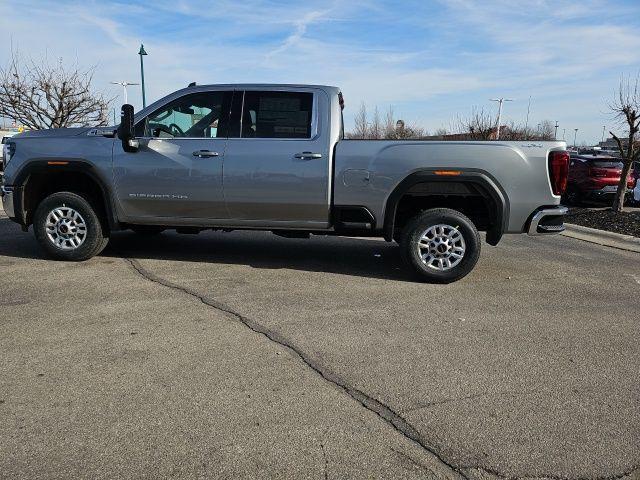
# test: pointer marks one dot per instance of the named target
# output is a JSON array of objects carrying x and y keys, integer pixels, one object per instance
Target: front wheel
[
  {"x": 67, "y": 227},
  {"x": 440, "y": 245}
]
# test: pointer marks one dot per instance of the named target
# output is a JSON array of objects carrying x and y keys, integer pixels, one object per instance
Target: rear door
[
  {"x": 276, "y": 167},
  {"x": 177, "y": 172}
]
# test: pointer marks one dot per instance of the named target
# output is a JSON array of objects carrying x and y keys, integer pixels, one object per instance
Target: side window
[
  {"x": 199, "y": 115},
  {"x": 277, "y": 115}
]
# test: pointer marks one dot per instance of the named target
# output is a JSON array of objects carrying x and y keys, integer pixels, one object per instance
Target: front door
[
  {"x": 177, "y": 171},
  {"x": 276, "y": 168}
]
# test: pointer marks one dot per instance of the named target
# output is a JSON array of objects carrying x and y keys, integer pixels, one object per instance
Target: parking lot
[{"x": 245, "y": 354}]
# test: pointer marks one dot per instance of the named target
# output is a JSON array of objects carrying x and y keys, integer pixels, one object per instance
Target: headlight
[{"x": 8, "y": 150}]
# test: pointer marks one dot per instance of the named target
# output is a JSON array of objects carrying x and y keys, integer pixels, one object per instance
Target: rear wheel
[
  {"x": 440, "y": 245},
  {"x": 67, "y": 227}
]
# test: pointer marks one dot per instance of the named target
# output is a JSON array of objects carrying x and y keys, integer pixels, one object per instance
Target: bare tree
[
  {"x": 408, "y": 132},
  {"x": 513, "y": 131},
  {"x": 546, "y": 131},
  {"x": 376, "y": 129},
  {"x": 626, "y": 109},
  {"x": 38, "y": 95},
  {"x": 480, "y": 125},
  {"x": 361, "y": 128},
  {"x": 390, "y": 124},
  {"x": 379, "y": 128}
]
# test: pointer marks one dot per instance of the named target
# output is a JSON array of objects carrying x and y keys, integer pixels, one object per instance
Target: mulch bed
[{"x": 627, "y": 222}]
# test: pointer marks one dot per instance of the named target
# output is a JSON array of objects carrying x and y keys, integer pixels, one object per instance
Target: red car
[{"x": 594, "y": 177}]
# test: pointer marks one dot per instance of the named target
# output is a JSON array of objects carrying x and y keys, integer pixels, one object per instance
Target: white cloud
[{"x": 566, "y": 54}]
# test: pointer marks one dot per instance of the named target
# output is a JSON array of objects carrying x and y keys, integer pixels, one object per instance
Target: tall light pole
[
  {"x": 142, "y": 53},
  {"x": 124, "y": 88},
  {"x": 575, "y": 135},
  {"x": 555, "y": 134},
  {"x": 500, "y": 102}
]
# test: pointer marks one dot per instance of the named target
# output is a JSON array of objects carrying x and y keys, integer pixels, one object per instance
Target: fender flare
[
  {"x": 488, "y": 187},
  {"x": 55, "y": 165}
]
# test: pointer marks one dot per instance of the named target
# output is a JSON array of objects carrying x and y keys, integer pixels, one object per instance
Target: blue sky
[{"x": 431, "y": 60}]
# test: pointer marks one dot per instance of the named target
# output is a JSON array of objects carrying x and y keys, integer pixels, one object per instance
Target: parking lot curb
[{"x": 602, "y": 237}]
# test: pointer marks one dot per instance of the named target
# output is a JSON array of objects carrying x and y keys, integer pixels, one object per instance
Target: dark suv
[{"x": 595, "y": 177}]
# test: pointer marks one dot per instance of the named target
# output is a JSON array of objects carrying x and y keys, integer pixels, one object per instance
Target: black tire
[
  {"x": 147, "y": 230},
  {"x": 468, "y": 247},
  {"x": 94, "y": 241}
]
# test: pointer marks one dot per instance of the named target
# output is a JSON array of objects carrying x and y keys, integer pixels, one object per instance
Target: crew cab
[{"x": 274, "y": 157}]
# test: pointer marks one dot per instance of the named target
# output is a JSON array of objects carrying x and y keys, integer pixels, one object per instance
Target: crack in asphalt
[
  {"x": 326, "y": 462},
  {"x": 383, "y": 411}
]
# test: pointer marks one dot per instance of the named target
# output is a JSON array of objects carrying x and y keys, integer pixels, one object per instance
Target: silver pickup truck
[{"x": 274, "y": 157}]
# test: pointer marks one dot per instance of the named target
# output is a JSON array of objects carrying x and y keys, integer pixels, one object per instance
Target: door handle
[
  {"x": 308, "y": 155},
  {"x": 205, "y": 154}
]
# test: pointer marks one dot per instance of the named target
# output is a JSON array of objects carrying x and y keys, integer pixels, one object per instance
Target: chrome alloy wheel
[
  {"x": 66, "y": 228},
  {"x": 441, "y": 247}
]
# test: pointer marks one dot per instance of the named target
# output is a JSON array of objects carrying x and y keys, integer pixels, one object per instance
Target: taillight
[{"x": 558, "y": 171}]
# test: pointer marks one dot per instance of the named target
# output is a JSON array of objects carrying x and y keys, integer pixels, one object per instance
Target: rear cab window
[{"x": 273, "y": 114}]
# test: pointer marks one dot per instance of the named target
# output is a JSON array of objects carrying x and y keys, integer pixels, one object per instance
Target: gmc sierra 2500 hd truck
[{"x": 274, "y": 157}]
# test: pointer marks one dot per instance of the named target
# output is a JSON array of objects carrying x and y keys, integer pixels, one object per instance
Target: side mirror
[{"x": 125, "y": 130}]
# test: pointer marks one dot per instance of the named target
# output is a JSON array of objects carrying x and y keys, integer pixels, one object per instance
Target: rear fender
[{"x": 482, "y": 182}]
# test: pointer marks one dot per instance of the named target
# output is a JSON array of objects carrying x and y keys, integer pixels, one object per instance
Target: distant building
[{"x": 611, "y": 144}]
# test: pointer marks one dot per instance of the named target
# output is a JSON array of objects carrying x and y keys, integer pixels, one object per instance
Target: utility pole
[
  {"x": 564, "y": 131},
  {"x": 575, "y": 134},
  {"x": 124, "y": 88},
  {"x": 555, "y": 134},
  {"x": 142, "y": 53},
  {"x": 604, "y": 127},
  {"x": 526, "y": 123},
  {"x": 500, "y": 101}
]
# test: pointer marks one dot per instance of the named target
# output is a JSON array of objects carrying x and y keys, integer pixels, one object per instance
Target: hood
[{"x": 53, "y": 132}]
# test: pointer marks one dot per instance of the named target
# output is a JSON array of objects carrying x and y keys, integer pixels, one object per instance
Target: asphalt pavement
[{"x": 246, "y": 355}]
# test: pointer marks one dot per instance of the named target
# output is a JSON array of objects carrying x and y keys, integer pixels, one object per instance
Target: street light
[
  {"x": 575, "y": 134},
  {"x": 124, "y": 87},
  {"x": 142, "y": 53},
  {"x": 500, "y": 102}
]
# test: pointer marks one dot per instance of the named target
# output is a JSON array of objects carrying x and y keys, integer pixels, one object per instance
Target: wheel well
[
  {"x": 468, "y": 198},
  {"x": 42, "y": 184}
]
